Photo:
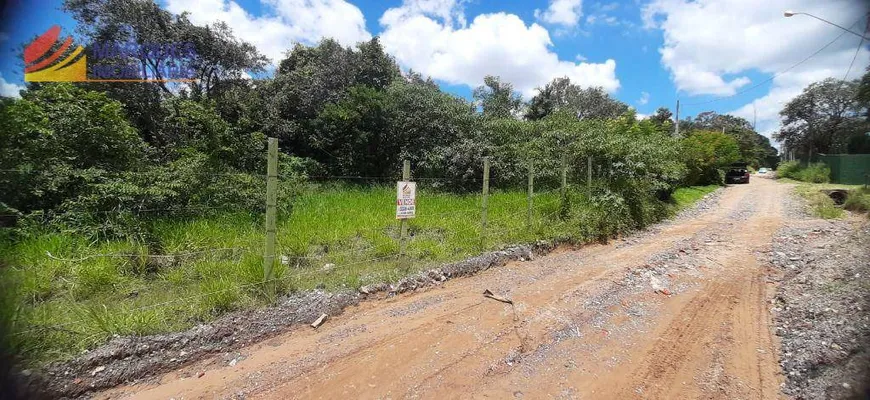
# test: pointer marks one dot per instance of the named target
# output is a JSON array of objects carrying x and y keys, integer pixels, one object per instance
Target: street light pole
[{"x": 788, "y": 14}]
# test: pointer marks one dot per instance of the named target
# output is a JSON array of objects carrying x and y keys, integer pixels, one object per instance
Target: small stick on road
[{"x": 487, "y": 293}]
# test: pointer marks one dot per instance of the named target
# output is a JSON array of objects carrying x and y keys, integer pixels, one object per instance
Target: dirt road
[{"x": 679, "y": 311}]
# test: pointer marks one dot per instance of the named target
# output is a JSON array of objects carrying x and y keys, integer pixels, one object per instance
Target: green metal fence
[{"x": 850, "y": 169}]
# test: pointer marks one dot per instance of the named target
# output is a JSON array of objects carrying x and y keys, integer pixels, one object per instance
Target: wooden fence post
[
  {"x": 564, "y": 175},
  {"x": 484, "y": 202},
  {"x": 271, "y": 209},
  {"x": 403, "y": 235},
  {"x": 531, "y": 193},
  {"x": 589, "y": 174}
]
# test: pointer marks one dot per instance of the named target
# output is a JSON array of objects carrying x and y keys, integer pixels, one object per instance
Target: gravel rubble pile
[{"x": 822, "y": 308}]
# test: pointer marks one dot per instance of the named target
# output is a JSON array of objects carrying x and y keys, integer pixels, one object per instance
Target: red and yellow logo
[{"x": 41, "y": 59}]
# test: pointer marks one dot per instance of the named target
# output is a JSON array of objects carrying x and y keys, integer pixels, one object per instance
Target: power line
[
  {"x": 860, "y": 42},
  {"x": 778, "y": 73}
]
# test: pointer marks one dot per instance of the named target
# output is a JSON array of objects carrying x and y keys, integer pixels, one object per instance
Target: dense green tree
[
  {"x": 242, "y": 104},
  {"x": 662, "y": 120},
  {"x": 310, "y": 78},
  {"x": 859, "y": 143},
  {"x": 57, "y": 138},
  {"x": 863, "y": 95},
  {"x": 585, "y": 103},
  {"x": 218, "y": 56},
  {"x": 354, "y": 134},
  {"x": 374, "y": 67},
  {"x": 417, "y": 78},
  {"x": 755, "y": 148},
  {"x": 430, "y": 125},
  {"x": 662, "y": 116},
  {"x": 705, "y": 153},
  {"x": 497, "y": 99},
  {"x": 196, "y": 125},
  {"x": 822, "y": 118}
]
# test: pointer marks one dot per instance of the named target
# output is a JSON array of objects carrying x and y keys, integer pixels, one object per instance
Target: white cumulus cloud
[
  {"x": 8, "y": 89},
  {"x": 449, "y": 11},
  {"x": 562, "y": 12},
  {"x": 283, "y": 23},
  {"x": 710, "y": 47},
  {"x": 492, "y": 44},
  {"x": 644, "y": 98}
]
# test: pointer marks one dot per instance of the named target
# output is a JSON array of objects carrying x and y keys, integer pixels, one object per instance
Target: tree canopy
[
  {"x": 706, "y": 153},
  {"x": 584, "y": 103},
  {"x": 497, "y": 99},
  {"x": 823, "y": 118},
  {"x": 754, "y": 147}
]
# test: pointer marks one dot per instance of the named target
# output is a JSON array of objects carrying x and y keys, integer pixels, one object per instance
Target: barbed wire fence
[{"x": 289, "y": 258}]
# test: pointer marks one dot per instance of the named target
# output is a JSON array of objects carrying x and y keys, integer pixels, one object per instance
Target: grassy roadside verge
[
  {"x": 823, "y": 207},
  {"x": 72, "y": 294},
  {"x": 685, "y": 197}
]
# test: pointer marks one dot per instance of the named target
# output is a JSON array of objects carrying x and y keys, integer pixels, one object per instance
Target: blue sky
[{"x": 647, "y": 53}]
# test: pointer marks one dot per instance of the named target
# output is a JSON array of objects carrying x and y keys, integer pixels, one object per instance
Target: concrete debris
[
  {"x": 656, "y": 284},
  {"x": 319, "y": 321}
]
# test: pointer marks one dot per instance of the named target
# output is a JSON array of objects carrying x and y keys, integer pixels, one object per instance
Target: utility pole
[
  {"x": 754, "y": 116},
  {"x": 677, "y": 120}
]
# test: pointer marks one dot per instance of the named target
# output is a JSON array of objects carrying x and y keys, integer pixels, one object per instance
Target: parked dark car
[{"x": 737, "y": 173}]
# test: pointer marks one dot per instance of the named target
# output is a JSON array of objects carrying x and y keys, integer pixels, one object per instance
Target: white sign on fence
[{"x": 406, "y": 199}]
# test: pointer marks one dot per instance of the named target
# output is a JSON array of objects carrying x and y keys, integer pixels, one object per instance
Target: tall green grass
[
  {"x": 821, "y": 205},
  {"x": 858, "y": 200},
  {"x": 72, "y": 294}
]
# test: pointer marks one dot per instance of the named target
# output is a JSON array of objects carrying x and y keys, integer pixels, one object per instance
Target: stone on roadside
[
  {"x": 319, "y": 321},
  {"x": 656, "y": 283}
]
